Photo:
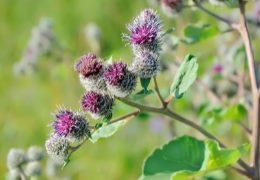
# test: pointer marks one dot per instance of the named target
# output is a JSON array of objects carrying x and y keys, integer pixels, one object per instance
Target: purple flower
[
  {"x": 217, "y": 68},
  {"x": 171, "y": 7},
  {"x": 172, "y": 3},
  {"x": 89, "y": 65},
  {"x": 71, "y": 125},
  {"x": 115, "y": 72},
  {"x": 145, "y": 31},
  {"x": 90, "y": 70},
  {"x": 120, "y": 81},
  {"x": 143, "y": 34},
  {"x": 99, "y": 105}
]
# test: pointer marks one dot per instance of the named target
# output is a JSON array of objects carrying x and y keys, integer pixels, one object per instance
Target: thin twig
[
  {"x": 241, "y": 171},
  {"x": 164, "y": 104},
  {"x": 212, "y": 95},
  {"x": 246, "y": 129},
  {"x": 134, "y": 113},
  {"x": 198, "y": 4},
  {"x": 22, "y": 174}
]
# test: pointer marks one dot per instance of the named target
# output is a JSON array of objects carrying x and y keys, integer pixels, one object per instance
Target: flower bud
[
  {"x": 33, "y": 168},
  {"x": 119, "y": 80},
  {"x": 57, "y": 148},
  {"x": 171, "y": 7},
  {"x": 52, "y": 167},
  {"x": 145, "y": 31},
  {"x": 35, "y": 153},
  {"x": 72, "y": 125},
  {"x": 97, "y": 104},
  {"x": 15, "y": 158},
  {"x": 90, "y": 71},
  {"x": 146, "y": 64},
  {"x": 217, "y": 68},
  {"x": 14, "y": 174}
]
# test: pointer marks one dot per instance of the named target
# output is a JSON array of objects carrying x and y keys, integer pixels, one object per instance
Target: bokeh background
[{"x": 27, "y": 100}]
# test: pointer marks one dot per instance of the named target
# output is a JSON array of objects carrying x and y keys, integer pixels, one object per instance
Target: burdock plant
[
  {"x": 24, "y": 165},
  {"x": 183, "y": 157}
]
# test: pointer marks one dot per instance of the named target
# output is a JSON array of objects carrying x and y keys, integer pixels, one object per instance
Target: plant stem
[
  {"x": 198, "y": 4},
  {"x": 243, "y": 30},
  {"x": 134, "y": 113},
  {"x": 173, "y": 115},
  {"x": 22, "y": 175},
  {"x": 164, "y": 104}
]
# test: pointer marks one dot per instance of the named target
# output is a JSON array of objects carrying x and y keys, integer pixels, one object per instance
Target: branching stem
[{"x": 167, "y": 112}]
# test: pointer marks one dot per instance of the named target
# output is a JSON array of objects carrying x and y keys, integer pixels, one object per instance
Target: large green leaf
[
  {"x": 195, "y": 34},
  {"x": 106, "y": 131},
  {"x": 185, "y": 76},
  {"x": 186, "y": 157}
]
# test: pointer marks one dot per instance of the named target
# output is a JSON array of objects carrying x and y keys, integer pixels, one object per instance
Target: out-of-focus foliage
[{"x": 27, "y": 100}]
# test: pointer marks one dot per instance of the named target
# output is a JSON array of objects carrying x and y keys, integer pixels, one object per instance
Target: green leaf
[
  {"x": 145, "y": 83},
  {"x": 235, "y": 112},
  {"x": 106, "y": 131},
  {"x": 107, "y": 118},
  {"x": 195, "y": 34},
  {"x": 185, "y": 76},
  {"x": 186, "y": 157},
  {"x": 141, "y": 94},
  {"x": 168, "y": 31},
  {"x": 98, "y": 125},
  {"x": 232, "y": 3}
]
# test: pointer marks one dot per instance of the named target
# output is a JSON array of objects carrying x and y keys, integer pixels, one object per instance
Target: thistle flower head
[
  {"x": 145, "y": 31},
  {"x": 95, "y": 83},
  {"x": 120, "y": 81},
  {"x": 57, "y": 148},
  {"x": 33, "y": 168},
  {"x": 143, "y": 34},
  {"x": 217, "y": 68},
  {"x": 172, "y": 7},
  {"x": 99, "y": 105},
  {"x": 35, "y": 153},
  {"x": 14, "y": 174},
  {"x": 172, "y": 3},
  {"x": 71, "y": 124},
  {"x": 15, "y": 158},
  {"x": 146, "y": 64},
  {"x": 88, "y": 65},
  {"x": 115, "y": 72}
]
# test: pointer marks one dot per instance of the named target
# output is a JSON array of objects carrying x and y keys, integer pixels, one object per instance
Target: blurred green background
[{"x": 27, "y": 101}]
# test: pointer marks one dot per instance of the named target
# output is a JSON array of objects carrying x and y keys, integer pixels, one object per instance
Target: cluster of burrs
[
  {"x": 106, "y": 81},
  {"x": 23, "y": 165},
  {"x": 42, "y": 41}
]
